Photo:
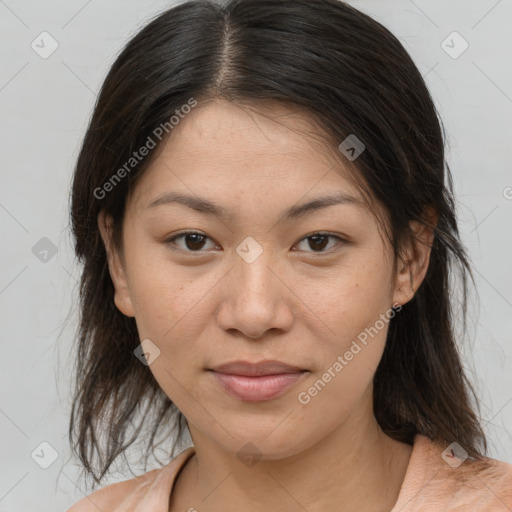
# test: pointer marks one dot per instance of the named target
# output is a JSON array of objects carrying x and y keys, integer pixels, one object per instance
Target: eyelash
[{"x": 170, "y": 241}]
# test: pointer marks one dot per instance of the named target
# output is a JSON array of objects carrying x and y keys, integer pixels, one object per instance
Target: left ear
[{"x": 414, "y": 257}]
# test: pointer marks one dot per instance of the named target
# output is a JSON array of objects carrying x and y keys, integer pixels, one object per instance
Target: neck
[{"x": 354, "y": 468}]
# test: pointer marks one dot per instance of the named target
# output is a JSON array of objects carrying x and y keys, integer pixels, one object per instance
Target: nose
[{"x": 255, "y": 299}]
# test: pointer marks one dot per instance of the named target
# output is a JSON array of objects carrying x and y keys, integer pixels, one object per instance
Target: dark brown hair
[{"x": 352, "y": 76}]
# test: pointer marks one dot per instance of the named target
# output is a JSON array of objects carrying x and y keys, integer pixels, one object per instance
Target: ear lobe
[
  {"x": 122, "y": 296},
  {"x": 414, "y": 258}
]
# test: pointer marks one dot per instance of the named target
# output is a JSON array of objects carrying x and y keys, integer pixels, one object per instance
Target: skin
[{"x": 298, "y": 302}]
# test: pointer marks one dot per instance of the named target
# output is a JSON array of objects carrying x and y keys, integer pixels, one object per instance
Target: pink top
[{"x": 433, "y": 483}]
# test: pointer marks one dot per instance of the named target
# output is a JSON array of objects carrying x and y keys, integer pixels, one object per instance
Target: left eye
[
  {"x": 320, "y": 240},
  {"x": 194, "y": 242}
]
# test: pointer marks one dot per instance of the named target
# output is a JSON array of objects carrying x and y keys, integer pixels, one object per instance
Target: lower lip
[{"x": 257, "y": 389}]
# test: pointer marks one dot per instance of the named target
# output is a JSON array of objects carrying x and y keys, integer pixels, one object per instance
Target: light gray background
[{"x": 45, "y": 105}]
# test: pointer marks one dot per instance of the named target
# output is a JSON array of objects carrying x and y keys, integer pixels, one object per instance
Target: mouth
[{"x": 256, "y": 382}]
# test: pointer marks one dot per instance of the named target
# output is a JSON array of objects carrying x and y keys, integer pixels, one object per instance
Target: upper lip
[{"x": 269, "y": 367}]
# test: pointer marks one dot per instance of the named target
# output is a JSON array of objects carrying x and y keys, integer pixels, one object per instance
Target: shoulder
[
  {"x": 148, "y": 491},
  {"x": 443, "y": 476},
  {"x": 111, "y": 496}
]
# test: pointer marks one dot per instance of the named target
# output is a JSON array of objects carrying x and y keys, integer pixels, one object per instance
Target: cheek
[
  {"x": 163, "y": 294},
  {"x": 169, "y": 311},
  {"x": 349, "y": 357},
  {"x": 353, "y": 299},
  {"x": 356, "y": 308}
]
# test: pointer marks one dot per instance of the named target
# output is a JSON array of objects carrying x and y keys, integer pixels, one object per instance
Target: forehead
[
  {"x": 235, "y": 151},
  {"x": 264, "y": 127}
]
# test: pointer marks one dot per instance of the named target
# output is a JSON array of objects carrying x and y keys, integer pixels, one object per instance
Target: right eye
[{"x": 192, "y": 241}]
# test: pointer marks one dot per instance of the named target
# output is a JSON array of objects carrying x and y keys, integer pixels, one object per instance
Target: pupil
[
  {"x": 316, "y": 237},
  {"x": 195, "y": 241}
]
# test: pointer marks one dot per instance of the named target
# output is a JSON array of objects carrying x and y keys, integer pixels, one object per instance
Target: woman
[{"x": 266, "y": 222}]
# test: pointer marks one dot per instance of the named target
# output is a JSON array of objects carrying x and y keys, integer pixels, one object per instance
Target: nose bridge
[
  {"x": 253, "y": 271},
  {"x": 255, "y": 297}
]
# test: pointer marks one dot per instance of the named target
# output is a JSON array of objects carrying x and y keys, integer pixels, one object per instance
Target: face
[{"x": 260, "y": 279}]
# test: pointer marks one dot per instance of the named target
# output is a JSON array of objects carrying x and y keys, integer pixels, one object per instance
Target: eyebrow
[{"x": 207, "y": 207}]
